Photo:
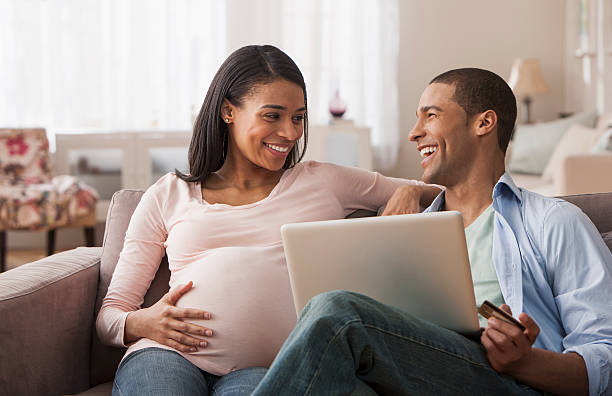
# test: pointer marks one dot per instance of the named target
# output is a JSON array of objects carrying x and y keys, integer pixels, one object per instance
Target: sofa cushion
[
  {"x": 597, "y": 207},
  {"x": 577, "y": 140},
  {"x": 604, "y": 121},
  {"x": 105, "y": 389},
  {"x": 604, "y": 143},
  {"x": 607, "y": 237},
  {"x": 105, "y": 359},
  {"x": 533, "y": 144}
]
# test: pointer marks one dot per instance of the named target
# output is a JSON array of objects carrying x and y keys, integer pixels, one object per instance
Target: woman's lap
[{"x": 163, "y": 372}]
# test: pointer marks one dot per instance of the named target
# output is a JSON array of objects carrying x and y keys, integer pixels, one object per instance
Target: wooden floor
[{"x": 16, "y": 257}]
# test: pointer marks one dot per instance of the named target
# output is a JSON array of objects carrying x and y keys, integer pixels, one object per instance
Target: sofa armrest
[
  {"x": 46, "y": 311},
  {"x": 583, "y": 174}
]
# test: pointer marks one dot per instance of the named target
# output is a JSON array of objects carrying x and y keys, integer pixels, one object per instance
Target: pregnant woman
[{"x": 229, "y": 308}]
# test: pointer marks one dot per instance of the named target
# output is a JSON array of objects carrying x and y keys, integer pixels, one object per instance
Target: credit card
[{"x": 488, "y": 309}]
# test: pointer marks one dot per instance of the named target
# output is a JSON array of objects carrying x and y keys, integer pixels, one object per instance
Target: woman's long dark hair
[{"x": 241, "y": 71}]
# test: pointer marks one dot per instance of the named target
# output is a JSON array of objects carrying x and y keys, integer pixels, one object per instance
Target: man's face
[{"x": 442, "y": 135}]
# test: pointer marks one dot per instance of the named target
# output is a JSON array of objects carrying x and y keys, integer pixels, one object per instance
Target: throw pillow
[
  {"x": 533, "y": 144},
  {"x": 604, "y": 143},
  {"x": 604, "y": 121},
  {"x": 577, "y": 140}
]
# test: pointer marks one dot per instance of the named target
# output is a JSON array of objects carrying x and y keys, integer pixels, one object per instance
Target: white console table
[
  {"x": 340, "y": 142},
  {"x": 109, "y": 161}
]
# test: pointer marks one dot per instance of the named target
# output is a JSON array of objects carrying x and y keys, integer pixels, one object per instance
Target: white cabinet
[
  {"x": 109, "y": 161},
  {"x": 340, "y": 142}
]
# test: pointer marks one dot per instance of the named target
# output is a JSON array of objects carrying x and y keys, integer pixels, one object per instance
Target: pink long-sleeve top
[{"x": 234, "y": 256}]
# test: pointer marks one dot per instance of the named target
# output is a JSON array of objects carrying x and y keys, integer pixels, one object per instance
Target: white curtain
[
  {"x": 351, "y": 46},
  {"x": 111, "y": 65},
  {"x": 143, "y": 64}
]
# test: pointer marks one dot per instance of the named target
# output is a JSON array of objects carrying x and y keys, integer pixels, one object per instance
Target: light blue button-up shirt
[{"x": 552, "y": 264}]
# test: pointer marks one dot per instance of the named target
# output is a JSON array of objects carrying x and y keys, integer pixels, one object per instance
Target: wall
[{"x": 439, "y": 35}]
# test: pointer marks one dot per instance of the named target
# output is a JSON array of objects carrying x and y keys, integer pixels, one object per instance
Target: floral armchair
[{"x": 31, "y": 198}]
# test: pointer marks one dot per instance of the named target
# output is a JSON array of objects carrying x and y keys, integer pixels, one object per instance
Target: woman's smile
[{"x": 280, "y": 150}]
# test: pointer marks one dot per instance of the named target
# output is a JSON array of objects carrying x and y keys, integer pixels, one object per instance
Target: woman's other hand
[
  {"x": 162, "y": 322},
  {"x": 404, "y": 200}
]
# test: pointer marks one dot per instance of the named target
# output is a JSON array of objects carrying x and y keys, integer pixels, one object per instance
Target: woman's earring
[{"x": 227, "y": 120}]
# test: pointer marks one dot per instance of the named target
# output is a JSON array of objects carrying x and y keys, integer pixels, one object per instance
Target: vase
[{"x": 337, "y": 107}]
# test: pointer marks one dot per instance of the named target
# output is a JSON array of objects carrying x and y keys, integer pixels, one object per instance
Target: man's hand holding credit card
[{"x": 488, "y": 309}]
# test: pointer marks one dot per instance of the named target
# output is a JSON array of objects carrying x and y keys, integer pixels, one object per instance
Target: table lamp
[{"x": 526, "y": 81}]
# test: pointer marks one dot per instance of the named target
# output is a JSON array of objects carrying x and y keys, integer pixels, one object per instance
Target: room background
[{"x": 434, "y": 36}]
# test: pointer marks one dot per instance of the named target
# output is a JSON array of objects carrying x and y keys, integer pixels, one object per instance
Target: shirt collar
[
  {"x": 437, "y": 204},
  {"x": 505, "y": 185}
]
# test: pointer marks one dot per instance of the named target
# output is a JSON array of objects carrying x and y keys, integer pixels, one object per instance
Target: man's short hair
[{"x": 478, "y": 90}]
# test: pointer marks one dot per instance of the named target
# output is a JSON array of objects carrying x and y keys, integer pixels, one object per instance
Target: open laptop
[{"x": 418, "y": 263}]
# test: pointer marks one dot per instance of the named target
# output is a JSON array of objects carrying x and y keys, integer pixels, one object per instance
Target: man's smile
[{"x": 428, "y": 150}]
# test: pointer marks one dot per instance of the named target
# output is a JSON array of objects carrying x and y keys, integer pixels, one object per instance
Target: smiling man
[{"x": 537, "y": 256}]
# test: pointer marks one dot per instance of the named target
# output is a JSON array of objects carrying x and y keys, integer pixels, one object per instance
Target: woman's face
[{"x": 267, "y": 124}]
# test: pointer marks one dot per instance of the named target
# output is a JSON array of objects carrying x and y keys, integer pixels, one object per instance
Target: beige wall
[{"x": 438, "y": 35}]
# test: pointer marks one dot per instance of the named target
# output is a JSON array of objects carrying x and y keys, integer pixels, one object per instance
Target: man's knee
[
  {"x": 336, "y": 303},
  {"x": 326, "y": 314},
  {"x": 341, "y": 306}
]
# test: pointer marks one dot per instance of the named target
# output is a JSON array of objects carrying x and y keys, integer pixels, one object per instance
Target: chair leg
[
  {"x": 90, "y": 236},
  {"x": 2, "y": 251},
  {"x": 50, "y": 242}
]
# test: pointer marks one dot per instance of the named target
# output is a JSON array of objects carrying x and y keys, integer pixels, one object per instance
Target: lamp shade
[{"x": 526, "y": 78}]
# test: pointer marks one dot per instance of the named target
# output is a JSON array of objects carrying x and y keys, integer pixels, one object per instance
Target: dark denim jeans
[
  {"x": 348, "y": 344},
  {"x": 156, "y": 371}
]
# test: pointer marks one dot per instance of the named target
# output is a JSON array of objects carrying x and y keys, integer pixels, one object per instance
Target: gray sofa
[{"x": 48, "y": 344}]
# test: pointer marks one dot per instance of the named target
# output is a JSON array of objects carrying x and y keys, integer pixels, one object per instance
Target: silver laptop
[{"x": 418, "y": 263}]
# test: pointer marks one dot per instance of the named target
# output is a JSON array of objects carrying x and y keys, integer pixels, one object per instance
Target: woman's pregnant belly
[{"x": 247, "y": 292}]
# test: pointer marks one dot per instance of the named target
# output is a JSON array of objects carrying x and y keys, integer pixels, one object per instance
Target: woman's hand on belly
[{"x": 162, "y": 322}]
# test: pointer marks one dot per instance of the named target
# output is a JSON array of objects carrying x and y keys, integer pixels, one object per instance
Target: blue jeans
[
  {"x": 349, "y": 344},
  {"x": 157, "y": 371}
]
